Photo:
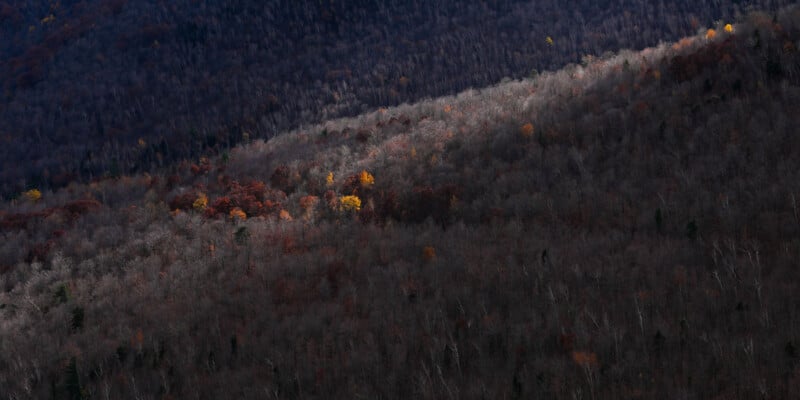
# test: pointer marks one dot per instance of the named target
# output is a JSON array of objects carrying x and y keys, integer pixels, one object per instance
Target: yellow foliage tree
[
  {"x": 710, "y": 34},
  {"x": 549, "y": 41},
  {"x": 33, "y": 195},
  {"x": 350, "y": 203},
  {"x": 329, "y": 179},
  {"x": 728, "y": 28},
  {"x": 366, "y": 179},
  {"x": 201, "y": 202}
]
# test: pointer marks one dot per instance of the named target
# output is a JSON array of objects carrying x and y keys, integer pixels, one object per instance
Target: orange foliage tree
[
  {"x": 428, "y": 253},
  {"x": 237, "y": 214},
  {"x": 366, "y": 179},
  {"x": 526, "y": 130}
]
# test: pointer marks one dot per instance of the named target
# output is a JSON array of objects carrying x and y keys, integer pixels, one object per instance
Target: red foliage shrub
[
  {"x": 308, "y": 202},
  {"x": 222, "y": 205},
  {"x": 202, "y": 168},
  {"x": 72, "y": 210},
  {"x": 253, "y": 198},
  {"x": 256, "y": 188},
  {"x": 249, "y": 197},
  {"x": 281, "y": 179},
  {"x": 270, "y": 207},
  {"x": 183, "y": 201}
]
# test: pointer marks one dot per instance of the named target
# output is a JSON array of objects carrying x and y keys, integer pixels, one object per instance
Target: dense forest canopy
[
  {"x": 626, "y": 227},
  {"x": 100, "y": 88}
]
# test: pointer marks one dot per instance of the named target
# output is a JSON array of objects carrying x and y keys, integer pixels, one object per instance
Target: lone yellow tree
[
  {"x": 33, "y": 195},
  {"x": 201, "y": 202},
  {"x": 366, "y": 179},
  {"x": 350, "y": 203},
  {"x": 329, "y": 179}
]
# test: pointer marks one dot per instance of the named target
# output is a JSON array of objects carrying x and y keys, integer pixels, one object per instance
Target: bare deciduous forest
[
  {"x": 99, "y": 88},
  {"x": 623, "y": 227}
]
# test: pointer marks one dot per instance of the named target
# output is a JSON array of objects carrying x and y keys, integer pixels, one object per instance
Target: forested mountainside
[
  {"x": 99, "y": 88},
  {"x": 627, "y": 228}
]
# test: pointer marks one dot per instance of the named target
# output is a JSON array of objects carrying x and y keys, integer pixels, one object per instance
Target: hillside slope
[
  {"x": 98, "y": 88},
  {"x": 626, "y": 228}
]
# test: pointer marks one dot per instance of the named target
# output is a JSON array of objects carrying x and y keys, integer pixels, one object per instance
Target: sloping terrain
[
  {"x": 98, "y": 88},
  {"x": 627, "y": 228}
]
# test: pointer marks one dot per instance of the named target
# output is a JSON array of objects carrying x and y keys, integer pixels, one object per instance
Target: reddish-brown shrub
[
  {"x": 280, "y": 179},
  {"x": 202, "y": 168},
  {"x": 308, "y": 202},
  {"x": 222, "y": 205},
  {"x": 270, "y": 207},
  {"x": 183, "y": 201}
]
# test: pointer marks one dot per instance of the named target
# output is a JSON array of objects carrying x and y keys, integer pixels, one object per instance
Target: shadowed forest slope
[
  {"x": 625, "y": 228},
  {"x": 99, "y": 88}
]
